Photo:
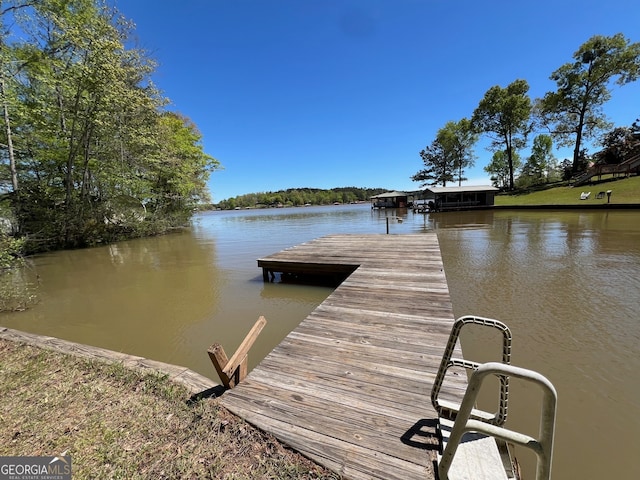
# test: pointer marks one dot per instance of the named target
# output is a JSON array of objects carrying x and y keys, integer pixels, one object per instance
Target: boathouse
[
  {"x": 393, "y": 199},
  {"x": 461, "y": 198}
]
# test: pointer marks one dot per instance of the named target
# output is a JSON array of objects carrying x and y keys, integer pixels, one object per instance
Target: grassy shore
[
  {"x": 119, "y": 423},
  {"x": 623, "y": 191}
]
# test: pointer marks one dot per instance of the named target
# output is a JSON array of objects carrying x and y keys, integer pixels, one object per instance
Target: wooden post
[
  {"x": 232, "y": 371},
  {"x": 219, "y": 360},
  {"x": 268, "y": 275}
]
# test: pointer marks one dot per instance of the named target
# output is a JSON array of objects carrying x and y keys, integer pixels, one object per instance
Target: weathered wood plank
[
  {"x": 361, "y": 426},
  {"x": 372, "y": 326},
  {"x": 347, "y": 459},
  {"x": 348, "y": 393},
  {"x": 355, "y": 391},
  {"x": 350, "y": 386},
  {"x": 366, "y": 353}
]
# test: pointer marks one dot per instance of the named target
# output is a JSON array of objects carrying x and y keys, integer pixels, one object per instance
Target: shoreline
[
  {"x": 120, "y": 416},
  {"x": 197, "y": 384}
]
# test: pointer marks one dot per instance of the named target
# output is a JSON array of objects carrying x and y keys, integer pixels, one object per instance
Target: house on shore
[
  {"x": 393, "y": 199},
  {"x": 459, "y": 198}
]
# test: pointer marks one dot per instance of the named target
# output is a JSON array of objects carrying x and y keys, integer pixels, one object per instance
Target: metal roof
[
  {"x": 390, "y": 194},
  {"x": 470, "y": 188}
]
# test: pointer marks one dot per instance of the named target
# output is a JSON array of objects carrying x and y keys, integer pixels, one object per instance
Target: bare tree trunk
[
  {"x": 7, "y": 124},
  {"x": 583, "y": 111},
  {"x": 508, "y": 140}
]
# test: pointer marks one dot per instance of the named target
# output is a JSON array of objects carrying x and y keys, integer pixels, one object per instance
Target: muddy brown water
[{"x": 566, "y": 282}]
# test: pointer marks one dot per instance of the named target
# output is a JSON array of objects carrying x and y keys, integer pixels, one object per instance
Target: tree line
[
  {"x": 89, "y": 152},
  {"x": 570, "y": 115},
  {"x": 296, "y": 197}
]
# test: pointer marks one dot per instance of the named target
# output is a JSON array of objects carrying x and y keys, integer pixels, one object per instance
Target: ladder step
[
  {"x": 475, "y": 413},
  {"x": 477, "y": 456}
]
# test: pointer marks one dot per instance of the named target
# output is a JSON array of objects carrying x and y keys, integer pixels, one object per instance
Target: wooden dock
[{"x": 349, "y": 387}]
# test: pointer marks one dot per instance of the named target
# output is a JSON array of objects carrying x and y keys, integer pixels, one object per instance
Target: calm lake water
[{"x": 566, "y": 282}]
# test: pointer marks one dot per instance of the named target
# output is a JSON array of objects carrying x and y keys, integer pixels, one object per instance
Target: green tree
[
  {"x": 348, "y": 197},
  {"x": 618, "y": 143},
  {"x": 96, "y": 157},
  {"x": 301, "y": 196},
  {"x": 80, "y": 95},
  {"x": 499, "y": 168},
  {"x": 573, "y": 112},
  {"x": 438, "y": 167},
  {"x": 565, "y": 169},
  {"x": 541, "y": 161},
  {"x": 504, "y": 114},
  {"x": 296, "y": 198},
  {"x": 180, "y": 168},
  {"x": 457, "y": 140}
]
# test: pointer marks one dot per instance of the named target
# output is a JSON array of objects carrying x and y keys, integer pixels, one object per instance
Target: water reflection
[
  {"x": 131, "y": 297},
  {"x": 566, "y": 282}
]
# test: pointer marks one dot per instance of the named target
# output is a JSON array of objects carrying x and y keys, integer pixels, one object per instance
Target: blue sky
[{"x": 332, "y": 93}]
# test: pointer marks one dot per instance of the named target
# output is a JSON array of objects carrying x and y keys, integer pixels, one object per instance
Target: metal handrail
[
  {"x": 448, "y": 411},
  {"x": 542, "y": 446}
]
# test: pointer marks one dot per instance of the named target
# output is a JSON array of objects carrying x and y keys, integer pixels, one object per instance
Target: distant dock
[{"x": 349, "y": 387}]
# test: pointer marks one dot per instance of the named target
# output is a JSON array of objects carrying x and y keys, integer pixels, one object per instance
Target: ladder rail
[
  {"x": 542, "y": 446},
  {"x": 447, "y": 362}
]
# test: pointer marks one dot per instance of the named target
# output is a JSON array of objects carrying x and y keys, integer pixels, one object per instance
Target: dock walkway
[{"x": 349, "y": 387}]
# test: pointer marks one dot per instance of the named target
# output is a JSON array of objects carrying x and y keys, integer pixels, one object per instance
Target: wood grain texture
[{"x": 350, "y": 386}]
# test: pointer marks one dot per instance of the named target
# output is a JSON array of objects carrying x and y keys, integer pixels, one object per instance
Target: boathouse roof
[
  {"x": 470, "y": 188},
  {"x": 393, "y": 194}
]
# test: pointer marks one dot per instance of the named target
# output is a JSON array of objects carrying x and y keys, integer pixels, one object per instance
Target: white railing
[
  {"x": 542, "y": 446},
  {"x": 466, "y": 417}
]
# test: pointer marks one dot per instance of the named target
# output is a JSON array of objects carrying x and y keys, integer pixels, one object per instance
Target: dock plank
[{"x": 350, "y": 386}]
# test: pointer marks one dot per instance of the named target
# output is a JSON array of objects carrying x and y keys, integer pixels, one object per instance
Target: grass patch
[
  {"x": 120, "y": 423},
  {"x": 624, "y": 190}
]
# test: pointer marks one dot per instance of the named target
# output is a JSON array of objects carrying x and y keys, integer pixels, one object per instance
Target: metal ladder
[{"x": 457, "y": 419}]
